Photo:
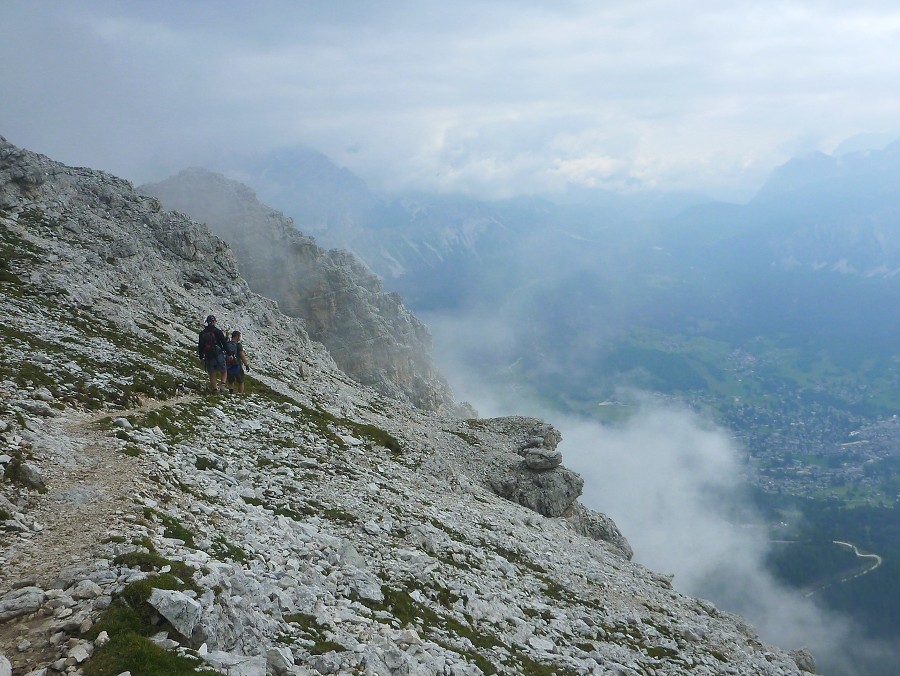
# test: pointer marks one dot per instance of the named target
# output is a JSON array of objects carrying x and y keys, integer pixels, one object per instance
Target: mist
[{"x": 672, "y": 481}]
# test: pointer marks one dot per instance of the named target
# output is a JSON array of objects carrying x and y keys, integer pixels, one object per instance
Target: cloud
[
  {"x": 673, "y": 482},
  {"x": 489, "y": 98}
]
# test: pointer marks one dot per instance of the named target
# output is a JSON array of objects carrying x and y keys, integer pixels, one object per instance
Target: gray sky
[{"x": 492, "y": 98}]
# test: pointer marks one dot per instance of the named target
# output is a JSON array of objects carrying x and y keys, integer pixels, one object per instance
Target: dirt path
[{"x": 90, "y": 489}]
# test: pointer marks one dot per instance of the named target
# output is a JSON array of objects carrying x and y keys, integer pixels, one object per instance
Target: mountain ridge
[
  {"x": 371, "y": 335},
  {"x": 314, "y": 526}
]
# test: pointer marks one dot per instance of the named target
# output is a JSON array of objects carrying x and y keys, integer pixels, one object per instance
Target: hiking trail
[{"x": 91, "y": 486}]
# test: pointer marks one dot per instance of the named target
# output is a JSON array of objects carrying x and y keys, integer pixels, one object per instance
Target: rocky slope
[
  {"x": 313, "y": 526},
  {"x": 370, "y": 334}
]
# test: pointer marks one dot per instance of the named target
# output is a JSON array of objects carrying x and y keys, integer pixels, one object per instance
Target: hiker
[
  {"x": 211, "y": 349},
  {"x": 236, "y": 361}
]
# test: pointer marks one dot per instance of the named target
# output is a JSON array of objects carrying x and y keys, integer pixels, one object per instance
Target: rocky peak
[
  {"x": 370, "y": 334},
  {"x": 312, "y": 526}
]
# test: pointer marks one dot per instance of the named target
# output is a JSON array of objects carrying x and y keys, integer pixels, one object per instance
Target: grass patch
[
  {"x": 556, "y": 591},
  {"x": 132, "y": 652},
  {"x": 173, "y": 528},
  {"x": 151, "y": 561},
  {"x": 376, "y": 435},
  {"x": 289, "y": 513},
  {"x": 176, "y": 423},
  {"x": 408, "y": 612},
  {"x": 157, "y": 384},
  {"x": 311, "y": 630},
  {"x": 130, "y": 619},
  {"x": 518, "y": 559},
  {"x": 330, "y": 513},
  {"x": 451, "y": 532},
  {"x": 118, "y": 539},
  {"x": 465, "y": 436},
  {"x": 222, "y": 549}
]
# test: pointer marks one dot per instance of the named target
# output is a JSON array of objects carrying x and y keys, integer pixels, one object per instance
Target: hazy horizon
[{"x": 486, "y": 99}]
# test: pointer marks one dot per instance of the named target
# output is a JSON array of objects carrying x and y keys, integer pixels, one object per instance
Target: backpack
[
  {"x": 207, "y": 343},
  {"x": 231, "y": 356}
]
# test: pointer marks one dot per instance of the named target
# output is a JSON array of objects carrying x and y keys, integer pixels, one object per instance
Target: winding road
[{"x": 876, "y": 561}]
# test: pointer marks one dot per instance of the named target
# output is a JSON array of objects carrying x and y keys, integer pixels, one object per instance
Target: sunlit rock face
[{"x": 369, "y": 333}]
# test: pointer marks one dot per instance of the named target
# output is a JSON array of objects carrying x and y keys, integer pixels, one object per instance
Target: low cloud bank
[{"x": 672, "y": 482}]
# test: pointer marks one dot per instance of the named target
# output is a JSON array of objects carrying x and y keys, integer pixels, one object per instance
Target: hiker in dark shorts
[
  {"x": 236, "y": 361},
  {"x": 211, "y": 349}
]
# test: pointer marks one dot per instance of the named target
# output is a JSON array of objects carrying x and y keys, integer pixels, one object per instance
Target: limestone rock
[
  {"x": 37, "y": 407},
  {"x": 81, "y": 652},
  {"x": 539, "y": 459},
  {"x": 180, "y": 610},
  {"x": 598, "y": 526},
  {"x": 236, "y": 665},
  {"x": 21, "y": 602},
  {"x": 280, "y": 660},
  {"x": 804, "y": 659},
  {"x": 30, "y": 475},
  {"x": 43, "y": 394},
  {"x": 551, "y": 493},
  {"x": 85, "y": 589},
  {"x": 525, "y": 433}
]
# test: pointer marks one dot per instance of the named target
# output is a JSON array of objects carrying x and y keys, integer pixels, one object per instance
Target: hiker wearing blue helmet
[{"x": 211, "y": 349}]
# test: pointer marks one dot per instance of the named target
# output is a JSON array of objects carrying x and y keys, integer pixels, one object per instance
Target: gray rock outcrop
[
  {"x": 20, "y": 602},
  {"x": 551, "y": 493},
  {"x": 180, "y": 610},
  {"x": 370, "y": 334},
  {"x": 598, "y": 526}
]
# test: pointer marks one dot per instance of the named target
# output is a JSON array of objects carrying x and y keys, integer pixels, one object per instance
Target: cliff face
[
  {"x": 312, "y": 526},
  {"x": 369, "y": 333}
]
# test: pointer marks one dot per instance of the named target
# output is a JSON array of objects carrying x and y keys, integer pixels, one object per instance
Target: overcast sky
[{"x": 490, "y": 98}]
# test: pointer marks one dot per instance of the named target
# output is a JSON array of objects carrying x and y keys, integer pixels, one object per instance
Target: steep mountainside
[
  {"x": 313, "y": 526},
  {"x": 370, "y": 334}
]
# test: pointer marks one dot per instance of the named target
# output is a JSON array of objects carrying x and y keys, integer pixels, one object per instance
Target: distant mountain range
[
  {"x": 643, "y": 259},
  {"x": 427, "y": 246}
]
